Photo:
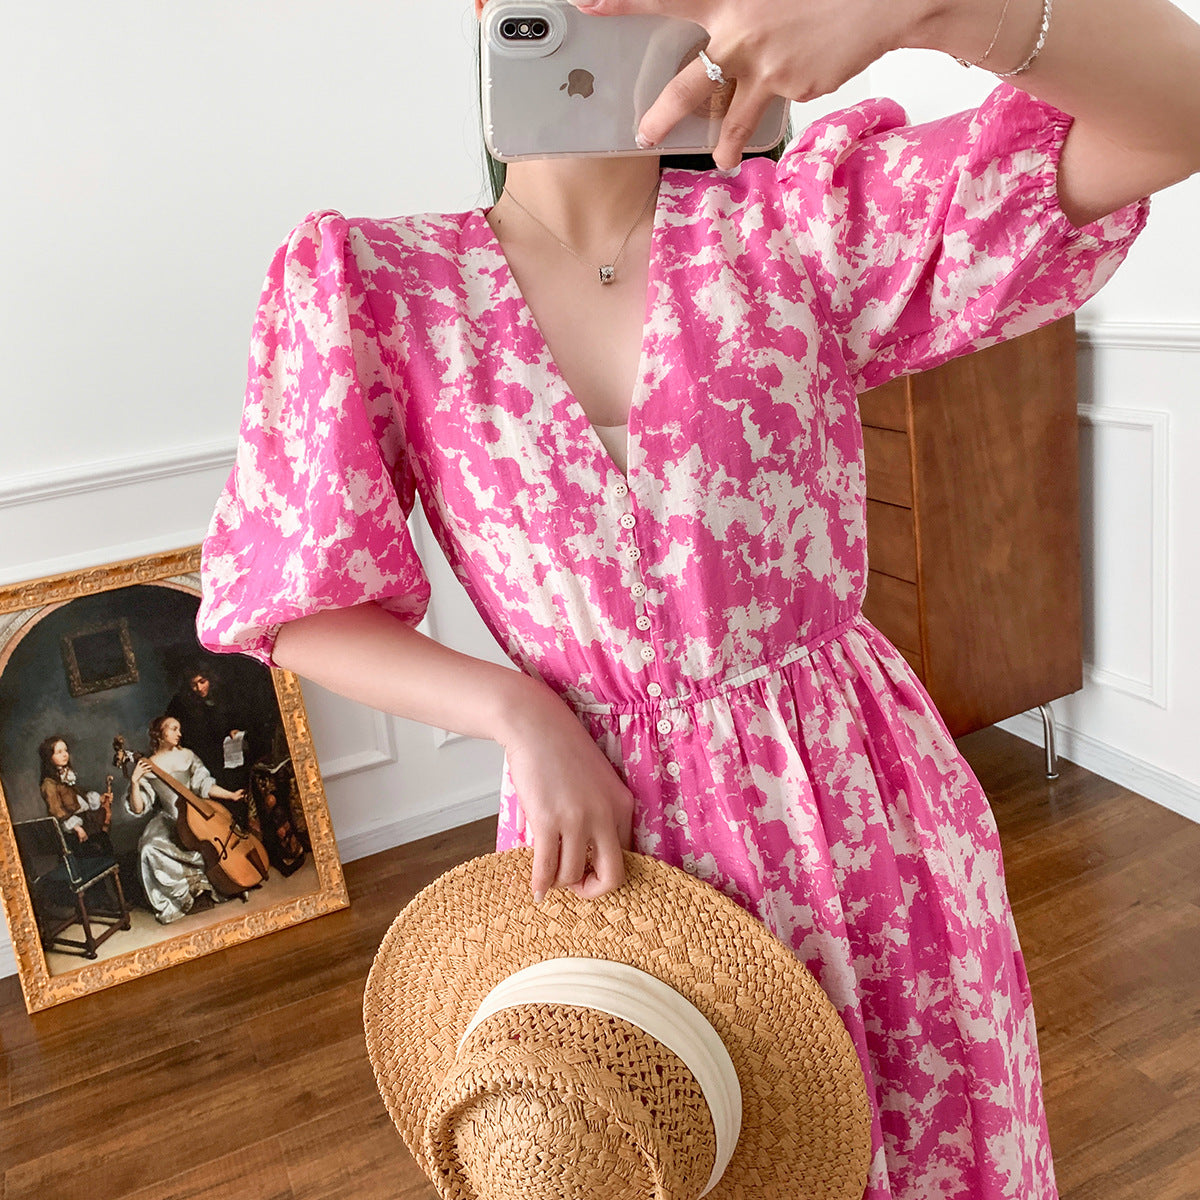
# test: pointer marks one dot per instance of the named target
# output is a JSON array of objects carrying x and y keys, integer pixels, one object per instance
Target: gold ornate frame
[{"x": 21, "y": 606}]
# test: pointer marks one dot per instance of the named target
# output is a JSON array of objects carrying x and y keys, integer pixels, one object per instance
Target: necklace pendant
[{"x": 607, "y": 273}]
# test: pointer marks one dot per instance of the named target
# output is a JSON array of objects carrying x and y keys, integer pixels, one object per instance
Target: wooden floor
[{"x": 243, "y": 1076}]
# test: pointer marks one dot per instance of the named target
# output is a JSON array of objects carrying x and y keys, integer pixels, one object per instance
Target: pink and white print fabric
[{"x": 702, "y": 615}]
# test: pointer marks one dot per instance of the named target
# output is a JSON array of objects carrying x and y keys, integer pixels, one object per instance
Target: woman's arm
[
  {"x": 141, "y": 794},
  {"x": 568, "y": 790},
  {"x": 1128, "y": 71}
]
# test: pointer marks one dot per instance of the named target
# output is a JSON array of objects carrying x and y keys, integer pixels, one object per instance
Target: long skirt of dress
[
  {"x": 172, "y": 876},
  {"x": 826, "y": 796}
]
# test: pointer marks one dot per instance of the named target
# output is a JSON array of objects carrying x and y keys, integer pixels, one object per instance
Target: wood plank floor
[{"x": 244, "y": 1075}]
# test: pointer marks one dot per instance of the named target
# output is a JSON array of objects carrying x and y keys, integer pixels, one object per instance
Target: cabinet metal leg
[{"x": 1048, "y": 731}]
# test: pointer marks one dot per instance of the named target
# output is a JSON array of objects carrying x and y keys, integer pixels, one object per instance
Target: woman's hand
[
  {"x": 81, "y": 833},
  {"x": 137, "y": 801},
  {"x": 800, "y": 49},
  {"x": 571, "y": 796}
]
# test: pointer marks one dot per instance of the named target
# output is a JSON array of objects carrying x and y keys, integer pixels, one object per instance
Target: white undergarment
[{"x": 615, "y": 439}]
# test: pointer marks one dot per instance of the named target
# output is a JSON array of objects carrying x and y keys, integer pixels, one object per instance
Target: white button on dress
[
  {"x": 663, "y": 726},
  {"x": 643, "y": 622},
  {"x": 654, "y": 689},
  {"x": 638, "y": 590},
  {"x": 628, "y": 520},
  {"x": 648, "y": 653},
  {"x": 674, "y": 770}
]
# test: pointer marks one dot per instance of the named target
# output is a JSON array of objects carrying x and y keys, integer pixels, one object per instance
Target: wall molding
[
  {"x": 1157, "y": 424},
  {"x": 1139, "y": 335},
  {"x": 418, "y": 825},
  {"x": 37, "y": 487},
  {"x": 381, "y": 754},
  {"x": 1170, "y": 791}
]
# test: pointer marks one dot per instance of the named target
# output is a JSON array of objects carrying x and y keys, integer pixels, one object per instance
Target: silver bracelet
[{"x": 1038, "y": 48}]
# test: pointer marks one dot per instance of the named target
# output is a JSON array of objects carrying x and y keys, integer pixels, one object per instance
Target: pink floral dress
[{"x": 702, "y": 615}]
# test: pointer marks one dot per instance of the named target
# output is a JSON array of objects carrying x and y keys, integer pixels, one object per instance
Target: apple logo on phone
[{"x": 579, "y": 83}]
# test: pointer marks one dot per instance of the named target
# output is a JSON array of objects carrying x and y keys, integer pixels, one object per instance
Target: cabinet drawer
[
  {"x": 889, "y": 466},
  {"x": 891, "y": 606},
  {"x": 885, "y": 407},
  {"x": 891, "y": 540}
]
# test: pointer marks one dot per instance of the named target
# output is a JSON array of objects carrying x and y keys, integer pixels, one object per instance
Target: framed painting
[{"x": 157, "y": 802}]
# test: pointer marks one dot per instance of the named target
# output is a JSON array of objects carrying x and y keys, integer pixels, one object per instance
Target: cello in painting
[{"x": 234, "y": 859}]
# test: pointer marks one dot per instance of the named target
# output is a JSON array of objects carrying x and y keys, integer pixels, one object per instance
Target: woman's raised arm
[{"x": 1128, "y": 71}]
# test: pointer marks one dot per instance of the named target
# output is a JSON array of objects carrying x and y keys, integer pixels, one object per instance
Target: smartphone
[{"x": 558, "y": 82}]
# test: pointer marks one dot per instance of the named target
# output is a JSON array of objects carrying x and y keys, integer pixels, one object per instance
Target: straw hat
[{"x": 658, "y": 1042}]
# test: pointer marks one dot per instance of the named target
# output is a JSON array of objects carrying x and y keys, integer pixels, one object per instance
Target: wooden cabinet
[{"x": 973, "y": 526}]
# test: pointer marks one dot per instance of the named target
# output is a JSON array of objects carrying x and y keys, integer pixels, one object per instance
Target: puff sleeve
[
  {"x": 929, "y": 241},
  {"x": 313, "y": 515}
]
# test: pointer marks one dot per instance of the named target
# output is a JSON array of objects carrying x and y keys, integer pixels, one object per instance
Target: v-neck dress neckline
[{"x": 572, "y": 416}]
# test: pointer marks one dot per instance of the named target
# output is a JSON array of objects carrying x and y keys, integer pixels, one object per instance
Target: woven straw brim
[{"x": 806, "y": 1130}]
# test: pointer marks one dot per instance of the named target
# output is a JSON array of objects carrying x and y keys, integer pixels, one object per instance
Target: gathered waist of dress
[{"x": 700, "y": 690}]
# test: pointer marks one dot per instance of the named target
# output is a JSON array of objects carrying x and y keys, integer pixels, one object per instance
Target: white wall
[{"x": 154, "y": 155}]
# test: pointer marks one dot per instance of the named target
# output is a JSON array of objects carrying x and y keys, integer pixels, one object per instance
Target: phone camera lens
[
  {"x": 508, "y": 29},
  {"x": 539, "y": 29}
]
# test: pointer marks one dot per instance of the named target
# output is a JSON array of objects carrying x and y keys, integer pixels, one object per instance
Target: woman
[
  {"x": 84, "y": 816},
  {"x": 697, "y": 679},
  {"x": 173, "y": 877}
]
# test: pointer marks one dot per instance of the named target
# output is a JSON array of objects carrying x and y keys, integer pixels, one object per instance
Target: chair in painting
[{"x": 68, "y": 888}]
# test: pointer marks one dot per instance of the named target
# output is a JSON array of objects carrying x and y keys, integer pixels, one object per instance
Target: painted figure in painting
[
  {"x": 210, "y": 717},
  {"x": 85, "y": 817},
  {"x": 173, "y": 877}
]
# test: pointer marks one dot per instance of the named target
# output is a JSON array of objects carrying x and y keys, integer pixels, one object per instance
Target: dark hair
[
  {"x": 496, "y": 170},
  {"x": 45, "y": 749},
  {"x": 193, "y": 667}
]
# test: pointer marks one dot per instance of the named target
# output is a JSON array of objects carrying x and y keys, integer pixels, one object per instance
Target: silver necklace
[{"x": 607, "y": 271}]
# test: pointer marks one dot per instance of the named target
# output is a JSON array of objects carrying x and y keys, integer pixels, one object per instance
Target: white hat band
[{"x": 653, "y": 1006}]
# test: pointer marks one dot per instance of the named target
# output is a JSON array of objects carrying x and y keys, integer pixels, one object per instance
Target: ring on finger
[{"x": 712, "y": 70}]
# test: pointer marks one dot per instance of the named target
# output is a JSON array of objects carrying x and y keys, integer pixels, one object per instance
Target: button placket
[{"x": 637, "y": 588}]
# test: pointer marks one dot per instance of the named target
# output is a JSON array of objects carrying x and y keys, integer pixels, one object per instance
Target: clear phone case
[{"x": 558, "y": 82}]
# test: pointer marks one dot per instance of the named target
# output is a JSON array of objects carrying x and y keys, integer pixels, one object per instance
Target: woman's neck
[{"x": 590, "y": 203}]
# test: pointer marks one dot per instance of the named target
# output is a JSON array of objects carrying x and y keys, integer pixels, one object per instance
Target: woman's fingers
[
  {"x": 688, "y": 91},
  {"x": 545, "y": 864},
  {"x": 587, "y": 863},
  {"x": 745, "y": 112},
  {"x": 572, "y": 857},
  {"x": 661, "y": 8},
  {"x": 608, "y": 869},
  {"x": 693, "y": 91}
]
